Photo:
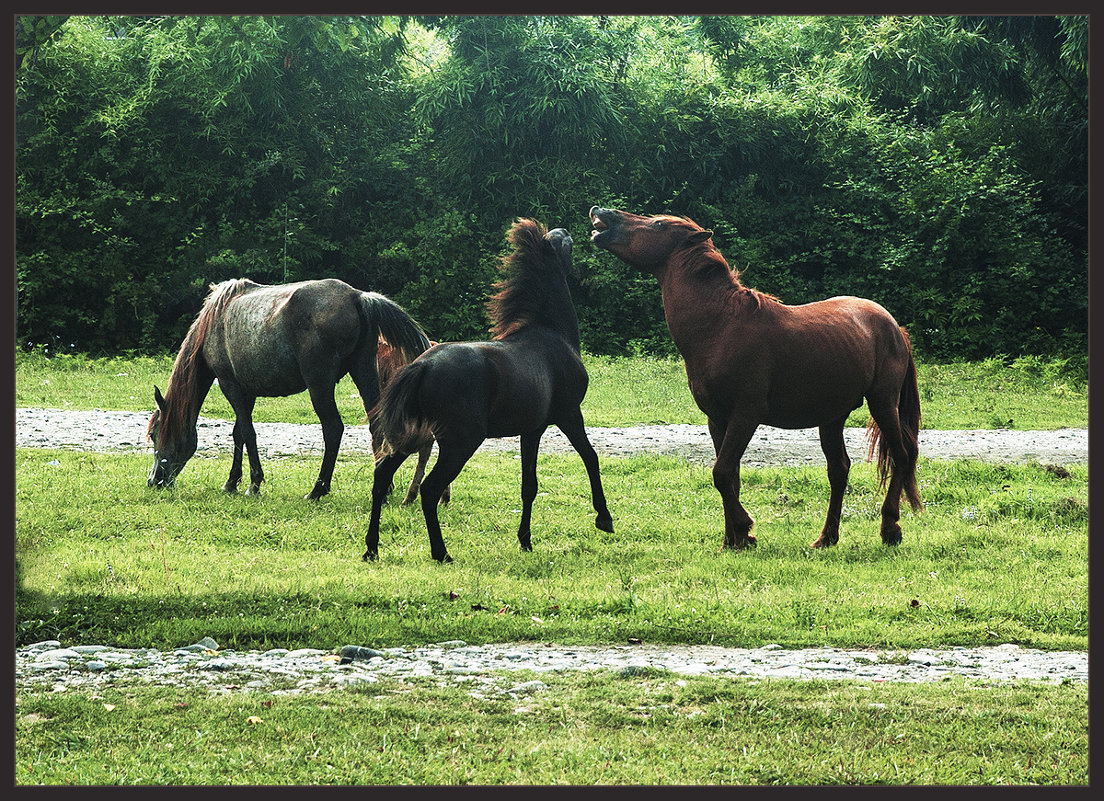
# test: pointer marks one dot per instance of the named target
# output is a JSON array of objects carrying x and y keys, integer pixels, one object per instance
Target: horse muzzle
[{"x": 161, "y": 476}]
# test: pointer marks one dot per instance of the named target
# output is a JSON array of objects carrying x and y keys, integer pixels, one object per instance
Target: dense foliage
[{"x": 935, "y": 164}]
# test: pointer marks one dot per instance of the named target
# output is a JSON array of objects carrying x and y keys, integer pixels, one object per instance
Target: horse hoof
[
  {"x": 893, "y": 539},
  {"x": 443, "y": 559},
  {"x": 254, "y": 490},
  {"x": 370, "y": 556},
  {"x": 742, "y": 544},
  {"x": 824, "y": 542},
  {"x": 604, "y": 524},
  {"x": 230, "y": 489}
]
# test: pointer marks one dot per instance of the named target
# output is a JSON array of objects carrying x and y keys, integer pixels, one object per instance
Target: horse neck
[
  {"x": 189, "y": 383},
  {"x": 555, "y": 312},
  {"x": 565, "y": 321},
  {"x": 699, "y": 288}
]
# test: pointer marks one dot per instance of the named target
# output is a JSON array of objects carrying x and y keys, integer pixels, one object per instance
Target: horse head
[
  {"x": 560, "y": 242},
  {"x": 644, "y": 242},
  {"x": 170, "y": 451}
]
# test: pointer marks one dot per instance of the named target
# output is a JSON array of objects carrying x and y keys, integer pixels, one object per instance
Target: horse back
[
  {"x": 273, "y": 340},
  {"x": 798, "y": 366},
  {"x": 503, "y": 387}
]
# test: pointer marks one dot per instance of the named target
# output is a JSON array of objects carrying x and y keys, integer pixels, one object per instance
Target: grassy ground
[
  {"x": 1000, "y": 554},
  {"x": 594, "y": 728},
  {"x": 104, "y": 559}
]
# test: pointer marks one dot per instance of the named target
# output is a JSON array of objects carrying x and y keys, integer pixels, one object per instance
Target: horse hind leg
[
  {"x": 322, "y": 398},
  {"x": 895, "y": 458},
  {"x": 381, "y": 487},
  {"x": 839, "y": 467}
]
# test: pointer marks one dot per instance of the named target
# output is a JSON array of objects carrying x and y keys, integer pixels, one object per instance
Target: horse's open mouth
[{"x": 597, "y": 226}]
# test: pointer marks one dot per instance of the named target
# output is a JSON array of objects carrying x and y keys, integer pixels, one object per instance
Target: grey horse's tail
[{"x": 383, "y": 316}]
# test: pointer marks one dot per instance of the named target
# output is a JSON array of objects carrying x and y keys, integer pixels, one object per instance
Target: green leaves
[{"x": 916, "y": 160}]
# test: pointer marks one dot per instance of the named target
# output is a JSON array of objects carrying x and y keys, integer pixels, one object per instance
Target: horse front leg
[
  {"x": 381, "y": 487},
  {"x": 451, "y": 458},
  {"x": 245, "y": 436},
  {"x": 234, "y": 478},
  {"x": 332, "y": 430},
  {"x": 575, "y": 432},
  {"x": 530, "y": 444},
  {"x": 256, "y": 474},
  {"x": 731, "y": 441},
  {"x": 839, "y": 466}
]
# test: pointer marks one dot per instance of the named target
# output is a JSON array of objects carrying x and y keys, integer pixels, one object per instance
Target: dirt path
[{"x": 126, "y": 431}]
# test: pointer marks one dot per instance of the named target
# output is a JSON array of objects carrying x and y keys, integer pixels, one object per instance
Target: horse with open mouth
[{"x": 752, "y": 360}]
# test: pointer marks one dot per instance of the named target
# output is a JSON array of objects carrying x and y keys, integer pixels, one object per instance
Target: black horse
[
  {"x": 528, "y": 377},
  {"x": 269, "y": 341}
]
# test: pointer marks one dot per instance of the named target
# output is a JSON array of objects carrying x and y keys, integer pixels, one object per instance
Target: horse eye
[{"x": 658, "y": 224}]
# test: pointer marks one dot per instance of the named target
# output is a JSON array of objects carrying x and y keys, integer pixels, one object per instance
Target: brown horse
[
  {"x": 751, "y": 360},
  {"x": 389, "y": 360}
]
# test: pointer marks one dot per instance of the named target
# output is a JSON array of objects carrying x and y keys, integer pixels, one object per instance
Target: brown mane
[
  {"x": 181, "y": 400},
  {"x": 522, "y": 296},
  {"x": 705, "y": 260}
]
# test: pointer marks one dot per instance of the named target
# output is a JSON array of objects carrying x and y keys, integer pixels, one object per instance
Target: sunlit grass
[
  {"x": 102, "y": 558},
  {"x": 582, "y": 728}
]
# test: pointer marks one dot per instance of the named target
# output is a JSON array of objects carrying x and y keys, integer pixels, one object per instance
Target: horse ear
[
  {"x": 699, "y": 236},
  {"x": 158, "y": 398}
]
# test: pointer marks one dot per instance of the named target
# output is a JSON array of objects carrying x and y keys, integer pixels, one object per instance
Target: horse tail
[
  {"x": 384, "y": 316},
  {"x": 399, "y": 414},
  {"x": 908, "y": 412}
]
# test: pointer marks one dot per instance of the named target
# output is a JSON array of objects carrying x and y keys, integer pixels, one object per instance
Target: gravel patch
[
  {"x": 100, "y": 430},
  {"x": 486, "y": 669}
]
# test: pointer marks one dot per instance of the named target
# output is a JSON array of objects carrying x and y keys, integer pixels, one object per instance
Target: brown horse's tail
[
  {"x": 399, "y": 414},
  {"x": 908, "y": 411}
]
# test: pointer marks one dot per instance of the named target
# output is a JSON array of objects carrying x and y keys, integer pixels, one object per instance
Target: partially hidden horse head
[{"x": 529, "y": 291}]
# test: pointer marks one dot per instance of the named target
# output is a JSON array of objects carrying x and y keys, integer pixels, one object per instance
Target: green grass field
[{"x": 1000, "y": 554}]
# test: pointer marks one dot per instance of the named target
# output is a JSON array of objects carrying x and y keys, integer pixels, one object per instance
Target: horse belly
[
  {"x": 523, "y": 404},
  {"x": 811, "y": 398}
]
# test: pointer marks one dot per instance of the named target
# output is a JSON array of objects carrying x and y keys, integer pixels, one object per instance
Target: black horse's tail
[
  {"x": 383, "y": 316},
  {"x": 908, "y": 411},
  {"x": 399, "y": 414}
]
